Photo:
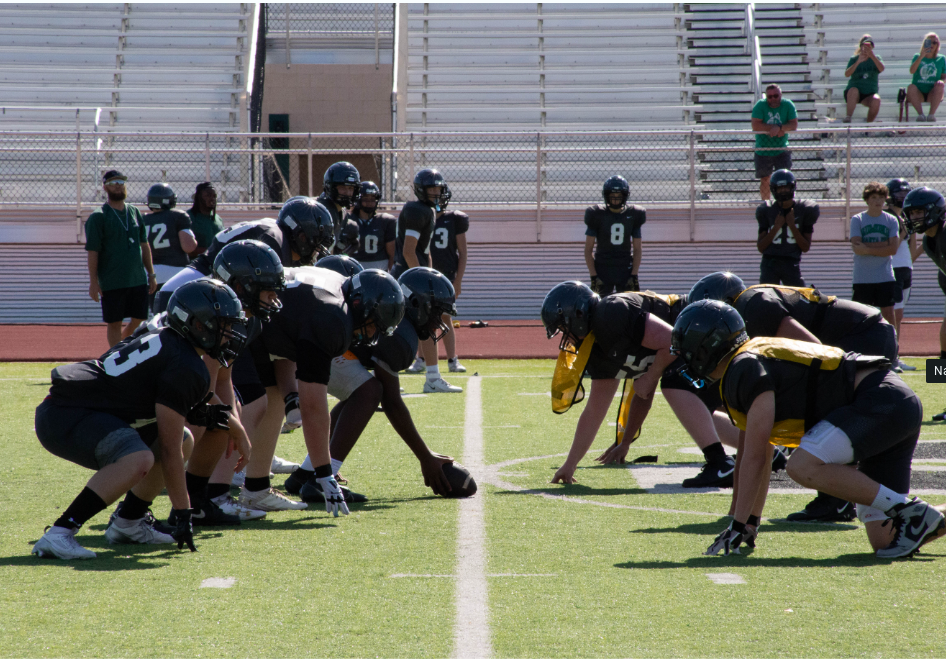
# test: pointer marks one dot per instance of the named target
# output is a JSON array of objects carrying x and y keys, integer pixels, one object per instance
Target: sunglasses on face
[
  {"x": 117, "y": 182},
  {"x": 773, "y": 96}
]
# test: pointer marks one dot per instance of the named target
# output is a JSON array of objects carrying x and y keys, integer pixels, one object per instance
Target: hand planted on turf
[
  {"x": 565, "y": 475},
  {"x": 334, "y": 498},
  {"x": 728, "y": 542},
  {"x": 615, "y": 454},
  {"x": 184, "y": 531},
  {"x": 434, "y": 478}
]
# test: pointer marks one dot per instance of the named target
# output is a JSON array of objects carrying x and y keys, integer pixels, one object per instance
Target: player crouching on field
[
  {"x": 368, "y": 375},
  {"x": 120, "y": 414},
  {"x": 837, "y": 407}
]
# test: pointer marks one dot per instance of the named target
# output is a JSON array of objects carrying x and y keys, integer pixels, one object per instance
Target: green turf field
[{"x": 613, "y": 568}]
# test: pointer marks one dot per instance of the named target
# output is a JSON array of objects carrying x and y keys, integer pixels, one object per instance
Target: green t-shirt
[
  {"x": 779, "y": 116},
  {"x": 205, "y": 227},
  {"x": 928, "y": 72},
  {"x": 864, "y": 78},
  {"x": 117, "y": 237}
]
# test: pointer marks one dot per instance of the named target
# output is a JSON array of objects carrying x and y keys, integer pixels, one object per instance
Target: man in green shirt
[
  {"x": 120, "y": 270},
  {"x": 863, "y": 69},
  {"x": 205, "y": 223},
  {"x": 929, "y": 72},
  {"x": 772, "y": 119}
]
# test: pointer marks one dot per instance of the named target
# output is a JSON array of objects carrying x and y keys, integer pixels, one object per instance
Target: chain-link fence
[{"x": 524, "y": 171}]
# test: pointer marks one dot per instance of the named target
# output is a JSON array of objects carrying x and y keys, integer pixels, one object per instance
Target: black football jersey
[
  {"x": 614, "y": 233},
  {"x": 265, "y": 231},
  {"x": 784, "y": 245},
  {"x": 159, "y": 367},
  {"x": 392, "y": 353},
  {"x": 935, "y": 248},
  {"x": 163, "y": 228},
  {"x": 763, "y": 307},
  {"x": 417, "y": 220},
  {"x": 313, "y": 326},
  {"x": 375, "y": 232},
  {"x": 443, "y": 245}
]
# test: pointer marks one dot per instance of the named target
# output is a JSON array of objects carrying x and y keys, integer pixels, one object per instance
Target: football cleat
[
  {"x": 440, "y": 386},
  {"x": 238, "y": 479},
  {"x": 455, "y": 366},
  {"x": 136, "y": 532},
  {"x": 916, "y": 522},
  {"x": 312, "y": 493},
  {"x": 149, "y": 516},
  {"x": 207, "y": 513},
  {"x": 714, "y": 474},
  {"x": 296, "y": 480},
  {"x": 269, "y": 501},
  {"x": 417, "y": 367},
  {"x": 825, "y": 508},
  {"x": 281, "y": 466},
  {"x": 59, "y": 542},
  {"x": 230, "y": 506}
]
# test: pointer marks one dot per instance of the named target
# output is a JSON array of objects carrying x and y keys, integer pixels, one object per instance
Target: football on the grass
[{"x": 461, "y": 481}]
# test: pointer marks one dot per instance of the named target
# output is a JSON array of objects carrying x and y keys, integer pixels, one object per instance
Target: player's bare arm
[
  {"x": 170, "y": 431},
  {"x": 596, "y": 409}
]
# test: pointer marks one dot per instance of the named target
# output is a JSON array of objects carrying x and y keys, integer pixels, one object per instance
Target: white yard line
[{"x": 471, "y": 636}]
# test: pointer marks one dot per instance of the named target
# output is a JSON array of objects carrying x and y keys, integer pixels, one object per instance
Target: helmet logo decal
[
  {"x": 356, "y": 281},
  {"x": 225, "y": 274},
  {"x": 291, "y": 223},
  {"x": 406, "y": 291},
  {"x": 180, "y": 313}
]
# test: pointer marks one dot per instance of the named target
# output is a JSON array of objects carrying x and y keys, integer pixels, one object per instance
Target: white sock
[
  {"x": 336, "y": 466},
  {"x": 887, "y": 499},
  {"x": 433, "y": 372},
  {"x": 307, "y": 464}
]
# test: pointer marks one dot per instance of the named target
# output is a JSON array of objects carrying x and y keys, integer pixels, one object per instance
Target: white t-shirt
[{"x": 869, "y": 269}]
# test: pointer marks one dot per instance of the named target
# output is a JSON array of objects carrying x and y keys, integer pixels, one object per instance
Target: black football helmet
[
  {"x": 722, "y": 286},
  {"x": 340, "y": 263},
  {"x": 424, "y": 179},
  {"x": 567, "y": 309},
  {"x": 705, "y": 332},
  {"x": 161, "y": 197},
  {"x": 348, "y": 239},
  {"x": 782, "y": 178},
  {"x": 250, "y": 267},
  {"x": 309, "y": 227},
  {"x": 369, "y": 190},
  {"x": 428, "y": 295},
  {"x": 445, "y": 197},
  {"x": 923, "y": 209},
  {"x": 616, "y": 184},
  {"x": 374, "y": 298},
  {"x": 210, "y": 316},
  {"x": 341, "y": 173},
  {"x": 897, "y": 190}
]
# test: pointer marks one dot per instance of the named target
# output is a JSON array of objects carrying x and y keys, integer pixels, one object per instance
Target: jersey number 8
[
  {"x": 617, "y": 234},
  {"x": 371, "y": 244}
]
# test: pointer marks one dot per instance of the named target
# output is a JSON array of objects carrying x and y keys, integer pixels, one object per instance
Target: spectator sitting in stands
[
  {"x": 204, "y": 219},
  {"x": 929, "y": 72},
  {"x": 863, "y": 69}
]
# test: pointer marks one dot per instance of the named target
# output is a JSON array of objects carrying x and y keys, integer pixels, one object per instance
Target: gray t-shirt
[{"x": 873, "y": 269}]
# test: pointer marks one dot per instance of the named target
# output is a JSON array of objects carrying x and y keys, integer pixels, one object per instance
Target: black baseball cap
[{"x": 113, "y": 174}]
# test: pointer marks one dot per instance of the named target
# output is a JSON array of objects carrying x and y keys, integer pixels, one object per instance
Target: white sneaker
[
  {"x": 238, "y": 479},
  {"x": 417, "y": 367},
  {"x": 136, "y": 532},
  {"x": 455, "y": 366},
  {"x": 281, "y": 466},
  {"x": 288, "y": 428},
  {"x": 60, "y": 543},
  {"x": 440, "y": 386},
  {"x": 231, "y": 506},
  {"x": 905, "y": 366},
  {"x": 269, "y": 500}
]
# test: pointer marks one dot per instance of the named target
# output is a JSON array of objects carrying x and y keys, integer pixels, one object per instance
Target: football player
[
  {"x": 415, "y": 229},
  {"x": 323, "y": 314},
  {"x": 837, "y": 407},
  {"x": 630, "y": 335},
  {"x": 614, "y": 234},
  {"x": 907, "y": 253},
  {"x": 341, "y": 186},
  {"x": 786, "y": 225},
  {"x": 377, "y": 231},
  {"x": 448, "y": 253},
  {"x": 368, "y": 375},
  {"x": 169, "y": 233},
  {"x": 122, "y": 413}
]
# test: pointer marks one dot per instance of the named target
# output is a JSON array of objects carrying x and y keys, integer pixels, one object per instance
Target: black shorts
[
  {"x": 121, "y": 303},
  {"x": 878, "y": 339},
  {"x": 786, "y": 272},
  {"x": 88, "y": 438},
  {"x": 883, "y": 423},
  {"x": 246, "y": 381},
  {"x": 880, "y": 295},
  {"x": 263, "y": 364},
  {"x": 708, "y": 395},
  {"x": 765, "y": 165},
  {"x": 904, "y": 278},
  {"x": 861, "y": 96},
  {"x": 613, "y": 276}
]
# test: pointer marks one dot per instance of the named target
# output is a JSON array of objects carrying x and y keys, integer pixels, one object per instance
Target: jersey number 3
[
  {"x": 443, "y": 236},
  {"x": 130, "y": 356}
]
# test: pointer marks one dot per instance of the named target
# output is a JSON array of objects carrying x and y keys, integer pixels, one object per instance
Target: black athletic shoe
[
  {"x": 779, "y": 460},
  {"x": 940, "y": 417},
  {"x": 312, "y": 493},
  {"x": 295, "y": 482},
  {"x": 825, "y": 508},
  {"x": 713, "y": 474},
  {"x": 207, "y": 514}
]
